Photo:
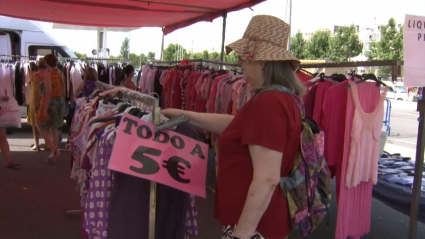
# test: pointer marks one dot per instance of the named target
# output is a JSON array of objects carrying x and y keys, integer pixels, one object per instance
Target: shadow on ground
[{"x": 34, "y": 199}]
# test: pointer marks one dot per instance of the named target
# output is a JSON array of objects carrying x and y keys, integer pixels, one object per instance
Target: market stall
[{"x": 172, "y": 16}]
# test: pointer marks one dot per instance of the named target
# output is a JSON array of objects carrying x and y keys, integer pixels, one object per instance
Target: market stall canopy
[
  {"x": 91, "y": 28},
  {"x": 169, "y": 14}
]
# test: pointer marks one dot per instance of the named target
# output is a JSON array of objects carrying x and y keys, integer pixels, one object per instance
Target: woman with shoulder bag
[{"x": 259, "y": 145}]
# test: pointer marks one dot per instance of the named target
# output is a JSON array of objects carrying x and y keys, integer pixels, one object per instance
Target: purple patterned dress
[{"x": 96, "y": 208}]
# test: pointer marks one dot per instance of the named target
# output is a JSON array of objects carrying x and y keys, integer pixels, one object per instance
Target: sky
[{"x": 307, "y": 16}]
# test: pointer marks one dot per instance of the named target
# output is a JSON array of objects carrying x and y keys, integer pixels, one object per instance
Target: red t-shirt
[{"x": 272, "y": 121}]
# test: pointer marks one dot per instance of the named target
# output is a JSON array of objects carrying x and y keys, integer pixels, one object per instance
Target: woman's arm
[
  {"x": 48, "y": 86},
  {"x": 267, "y": 165},
  {"x": 79, "y": 88},
  {"x": 214, "y": 123}
]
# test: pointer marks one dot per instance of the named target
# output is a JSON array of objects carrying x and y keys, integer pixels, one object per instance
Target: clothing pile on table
[{"x": 397, "y": 169}]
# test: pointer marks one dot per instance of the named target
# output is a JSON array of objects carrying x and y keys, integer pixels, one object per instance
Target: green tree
[
  {"x": 125, "y": 48},
  {"x": 345, "y": 44},
  {"x": 151, "y": 55},
  {"x": 196, "y": 55},
  {"x": 135, "y": 60},
  {"x": 388, "y": 47},
  {"x": 79, "y": 55},
  {"x": 143, "y": 56},
  {"x": 205, "y": 54},
  {"x": 170, "y": 52},
  {"x": 318, "y": 46},
  {"x": 231, "y": 58},
  {"x": 298, "y": 45},
  {"x": 214, "y": 55}
]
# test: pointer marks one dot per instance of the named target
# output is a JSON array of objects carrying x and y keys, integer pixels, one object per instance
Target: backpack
[{"x": 307, "y": 187}]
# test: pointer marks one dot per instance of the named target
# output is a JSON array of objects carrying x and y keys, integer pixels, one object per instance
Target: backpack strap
[{"x": 281, "y": 88}]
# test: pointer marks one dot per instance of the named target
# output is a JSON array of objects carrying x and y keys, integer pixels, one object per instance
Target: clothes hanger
[
  {"x": 172, "y": 123},
  {"x": 368, "y": 77},
  {"x": 338, "y": 77}
]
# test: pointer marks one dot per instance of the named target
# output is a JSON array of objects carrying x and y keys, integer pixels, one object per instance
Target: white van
[{"x": 29, "y": 38}]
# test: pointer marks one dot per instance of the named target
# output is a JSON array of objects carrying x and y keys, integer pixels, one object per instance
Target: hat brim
[{"x": 264, "y": 52}]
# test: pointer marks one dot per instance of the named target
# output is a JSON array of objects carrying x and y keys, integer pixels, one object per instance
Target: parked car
[{"x": 398, "y": 93}]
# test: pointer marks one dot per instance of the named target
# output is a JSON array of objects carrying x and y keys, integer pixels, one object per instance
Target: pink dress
[
  {"x": 333, "y": 124},
  {"x": 322, "y": 88},
  {"x": 354, "y": 204},
  {"x": 365, "y": 135}
]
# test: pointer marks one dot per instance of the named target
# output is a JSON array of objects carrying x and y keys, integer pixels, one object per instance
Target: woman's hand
[
  {"x": 214, "y": 123},
  {"x": 45, "y": 114},
  {"x": 172, "y": 113}
]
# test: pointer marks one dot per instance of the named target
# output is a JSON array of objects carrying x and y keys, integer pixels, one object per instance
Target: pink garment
[
  {"x": 149, "y": 85},
  {"x": 354, "y": 204},
  {"x": 162, "y": 77},
  {"x": 213, "y": 93},
  {"x": 176, "y": 95},
  {"x": 333, "y": 124},
  {"x": 309, "y": 99},
  {"x": 144, "y": 78},
  {"x": 365, "y": 135},
  {"x": 322, "y": 88},
  {"x": 189, "y": 88}
]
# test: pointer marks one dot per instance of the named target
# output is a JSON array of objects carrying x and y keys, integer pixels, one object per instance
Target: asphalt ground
[{"x": 35, "y": 198}]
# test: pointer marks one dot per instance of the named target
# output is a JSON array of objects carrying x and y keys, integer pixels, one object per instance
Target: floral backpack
[{"x": 307, "y": 187}]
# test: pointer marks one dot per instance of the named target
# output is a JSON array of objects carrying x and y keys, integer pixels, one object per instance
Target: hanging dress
[
  {"x": 365, "y": 135},
  {"x": 56, "y": 106},
  {"x": 354, "y": 204},
  {"x": 34, "y": 99},
  {"x": 88, "y": 88}
]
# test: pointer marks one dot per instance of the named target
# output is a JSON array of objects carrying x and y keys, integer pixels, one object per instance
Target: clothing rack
[
  {"x": 201, "y": 61},
  {"x": 148, "y": 100},
  {"x": 19, "y": 56},
  {"x": 73, "y": 58}
]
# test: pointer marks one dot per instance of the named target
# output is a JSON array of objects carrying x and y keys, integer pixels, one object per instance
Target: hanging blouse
[
  {"x": 354, "y": 204},
  {"x": 365, "y": 135}
]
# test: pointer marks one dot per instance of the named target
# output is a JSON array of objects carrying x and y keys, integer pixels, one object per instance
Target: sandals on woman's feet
[
  {"x": 13, "y": 165},
  {"x": 33, "y": 147},
  {"x": 52, "y": 157}
]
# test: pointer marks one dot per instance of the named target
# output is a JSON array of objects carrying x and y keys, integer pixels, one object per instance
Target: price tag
[{"x": 165, "y": 157}]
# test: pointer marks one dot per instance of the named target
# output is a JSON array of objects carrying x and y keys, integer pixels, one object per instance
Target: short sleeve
[{"x": 269, "y": 121}]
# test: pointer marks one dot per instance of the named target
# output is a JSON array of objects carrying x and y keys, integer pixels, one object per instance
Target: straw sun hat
[{"x": 265, "y": 39}]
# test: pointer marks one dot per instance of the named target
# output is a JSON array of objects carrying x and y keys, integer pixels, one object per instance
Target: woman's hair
[
  {"x": 51, "y": 60},
  {"x": 128, "y": 69},
  {"x": 41, "y": 64},
  {"x": 91, "y": 74},
  {"x": 281, "y": 73}
]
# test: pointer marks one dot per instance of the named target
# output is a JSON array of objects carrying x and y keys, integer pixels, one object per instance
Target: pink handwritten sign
[{"x": 165, "y": 157}]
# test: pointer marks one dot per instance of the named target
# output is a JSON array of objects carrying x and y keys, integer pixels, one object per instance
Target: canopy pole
[
  {"x": 290, "y": 25},
  {"x": 420, "y": 147},
  {"x": 223, "y": 36},
  {"x": 162, "y": 45}
]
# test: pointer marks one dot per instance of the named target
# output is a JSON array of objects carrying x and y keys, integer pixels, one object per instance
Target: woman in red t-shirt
[{"x": 258, "y": 146}]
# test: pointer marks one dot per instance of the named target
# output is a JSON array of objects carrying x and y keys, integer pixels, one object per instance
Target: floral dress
[
  {"x": 56, "y": 110},
  {"x": 88, "y": 88}
]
